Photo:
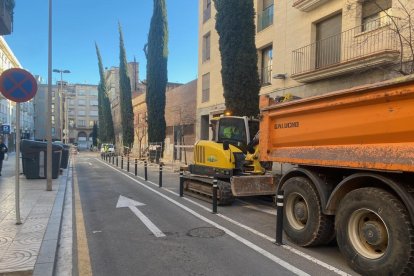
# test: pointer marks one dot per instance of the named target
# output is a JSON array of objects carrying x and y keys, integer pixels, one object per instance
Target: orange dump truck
[{"x": 353, "y": 177}]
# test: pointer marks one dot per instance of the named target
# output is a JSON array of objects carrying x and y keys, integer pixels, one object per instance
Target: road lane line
[
  {"x": 256, "y": 248},
  {"x": 287, "y": 247},
  {"x": 84, "y": 261},
  {"x": 264, "y": 236}
]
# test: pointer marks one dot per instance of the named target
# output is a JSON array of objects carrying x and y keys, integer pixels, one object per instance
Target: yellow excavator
[{"x": 232, "y": 158}]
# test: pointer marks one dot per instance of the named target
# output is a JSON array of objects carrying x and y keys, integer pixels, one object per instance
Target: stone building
[
  {"x": 112, "y": 82},
  {"x": 74, "y": 107},
  {"x": 175, "y": 104},
  {"x": 307, "y": 48},
  {"x": 180, "y": 114},
  {"x": 8, "y": 108}
]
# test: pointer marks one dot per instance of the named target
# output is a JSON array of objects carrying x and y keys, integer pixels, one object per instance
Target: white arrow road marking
[{"x": 131, "y": 204}]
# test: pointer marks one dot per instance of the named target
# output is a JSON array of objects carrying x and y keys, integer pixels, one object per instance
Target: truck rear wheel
[
  {"x": 374, "y": 233},
  {"x": 303, "y": 220}
]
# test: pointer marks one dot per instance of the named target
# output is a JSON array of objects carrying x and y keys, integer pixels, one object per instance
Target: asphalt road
[{"x": 180, "y": 236}]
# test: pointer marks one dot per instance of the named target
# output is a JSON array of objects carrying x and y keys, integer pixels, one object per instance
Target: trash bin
[
  {"x": 34, "y": 159},
  {"x": 65, "y": 155}
]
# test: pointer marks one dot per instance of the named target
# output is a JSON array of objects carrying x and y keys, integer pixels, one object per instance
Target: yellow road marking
[{"x": 84, "y": 261}]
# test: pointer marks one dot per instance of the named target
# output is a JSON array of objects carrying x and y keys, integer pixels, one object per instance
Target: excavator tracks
[{"x": 202, "y": 188}]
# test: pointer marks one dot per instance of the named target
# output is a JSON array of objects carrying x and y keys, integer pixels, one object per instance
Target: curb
[{"x": 46, "y": 260}]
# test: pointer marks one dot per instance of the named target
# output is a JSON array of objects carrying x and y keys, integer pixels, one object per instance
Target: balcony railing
[
  {"x": 265, "y": 18},
  {"x": 266, "y": 76},
  {"x": 349, "y": 47}
]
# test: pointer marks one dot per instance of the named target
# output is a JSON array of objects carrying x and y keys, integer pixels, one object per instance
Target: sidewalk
[{"x": 33, "y": 242}]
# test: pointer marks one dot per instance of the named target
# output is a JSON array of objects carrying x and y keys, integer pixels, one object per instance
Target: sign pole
[
  {"x": 17, "y": 172},
  {"x": 49, "y": 113}
]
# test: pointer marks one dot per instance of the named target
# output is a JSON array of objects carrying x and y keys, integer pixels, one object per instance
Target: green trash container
[
  {"x": 34, "y": 159},
  {"x": 65, "y": 155}
]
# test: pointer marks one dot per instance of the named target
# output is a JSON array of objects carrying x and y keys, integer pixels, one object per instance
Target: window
[
  {"x": 375, "y": 14},
  {"x": 206, "y": 10},
  {"x": 81, "y": 92},
  {"x": 93, "y": 113},
  {"x": 266, "y": 68},
  {"x": 206, "y": 47},
  {"x": 53, "y": 131},
  {"x": 93, "y": 102},
  {"x": 53, "y": 119},
  {"x": 81, "y": 123},
  {"x": 81, "y": 102},
  {"x": 52, "y": 108},
  {"x": 205, "y": 97},
  {"x": 265, "y": 16},
  {"x": 91, "y": 123},
  {"x": 81, "y": 112}
]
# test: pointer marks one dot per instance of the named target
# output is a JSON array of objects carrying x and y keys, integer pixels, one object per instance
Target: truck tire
[
  {"x": 303, "y": 220},
  {"x": 374, "y": 233}
]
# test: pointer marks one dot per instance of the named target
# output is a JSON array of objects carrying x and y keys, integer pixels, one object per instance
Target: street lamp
[{"x": 61, "y": 97}]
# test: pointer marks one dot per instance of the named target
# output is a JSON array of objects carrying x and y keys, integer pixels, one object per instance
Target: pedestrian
[{"x": 3, "y": 150}]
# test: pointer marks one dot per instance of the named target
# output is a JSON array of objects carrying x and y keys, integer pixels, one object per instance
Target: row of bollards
[{"x": 114, "y": 160}]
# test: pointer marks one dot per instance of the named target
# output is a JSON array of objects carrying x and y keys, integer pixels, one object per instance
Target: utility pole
[{"x": 49, "y": 115}]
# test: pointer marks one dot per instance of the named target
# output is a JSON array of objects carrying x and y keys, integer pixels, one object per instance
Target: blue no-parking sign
[{"x": 18, "y": 85}]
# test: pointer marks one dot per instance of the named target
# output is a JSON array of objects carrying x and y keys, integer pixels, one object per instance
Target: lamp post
[{"x": 61, "y": 98}]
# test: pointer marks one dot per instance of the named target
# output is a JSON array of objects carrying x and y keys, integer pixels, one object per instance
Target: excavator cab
[{"x": 237, "y": 131}]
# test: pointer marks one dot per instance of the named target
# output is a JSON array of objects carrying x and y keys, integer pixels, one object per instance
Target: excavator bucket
[{"x": 253, "y": 185}]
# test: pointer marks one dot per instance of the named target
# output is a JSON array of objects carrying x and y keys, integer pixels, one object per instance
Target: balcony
[
  {"x": 265, "y": 18},
  {"x": 6, "y": 16},
  {"x": 308, "y": 5},
  {"x": 347, "y": 52}
]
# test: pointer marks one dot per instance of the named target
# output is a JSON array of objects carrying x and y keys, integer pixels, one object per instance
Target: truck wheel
[
  {"x": 303, "y": 220},
  {"x": 374, "y": 233}
]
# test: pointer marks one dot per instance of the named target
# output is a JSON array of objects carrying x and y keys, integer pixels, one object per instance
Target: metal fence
[{"x": 347, "y": 46}]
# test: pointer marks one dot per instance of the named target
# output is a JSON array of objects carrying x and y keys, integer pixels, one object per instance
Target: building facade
[
  {"x": 180, "y": 122},
  {"x": 112, "y": 82},
  {"x": 8, "y": 108},
  {"x": 74, "y": 110},
  {"x": 309, "y": 47}
]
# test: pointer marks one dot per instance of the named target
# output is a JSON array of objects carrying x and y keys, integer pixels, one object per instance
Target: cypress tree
[
  {"x": 95, "y": 134},
  {"x": 157, "y": 56},
  {"x": 106, "y": 132},
  {"x": 127, "y": 114},
  {"x": 236, "y": 29}
]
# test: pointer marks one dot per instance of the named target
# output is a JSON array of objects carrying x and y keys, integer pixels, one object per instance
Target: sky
[{"x": 78, "y": 24}]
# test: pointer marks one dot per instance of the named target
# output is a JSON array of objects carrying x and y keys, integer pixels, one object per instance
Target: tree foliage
[
  {"x": 157, "y": 56},
  {"x": 127, "y": 113},
  {"x": 106, "y": 132},
  {"x": 95, "y": 134},
  {"x": 236, "y": 29}
]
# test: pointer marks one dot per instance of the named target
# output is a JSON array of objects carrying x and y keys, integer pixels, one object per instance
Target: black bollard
[
  {"x": 113, "y": 159},
  {"x": 117, "y": 160},
  {"x": 128, "y": 164},
  {"x": 181, "y": 183},
  {"x": 215, "y": 188},
  {"x": 136, "y": 167},
  {"x": 122, "y": 162},
  {"x": 145, "y": 170},
  {"x": 279, "y": 218},
  {"x": 160, "y": 181}
]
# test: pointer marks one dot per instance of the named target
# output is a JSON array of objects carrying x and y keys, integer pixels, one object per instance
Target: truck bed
[{"x": 366, "y": 127}]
